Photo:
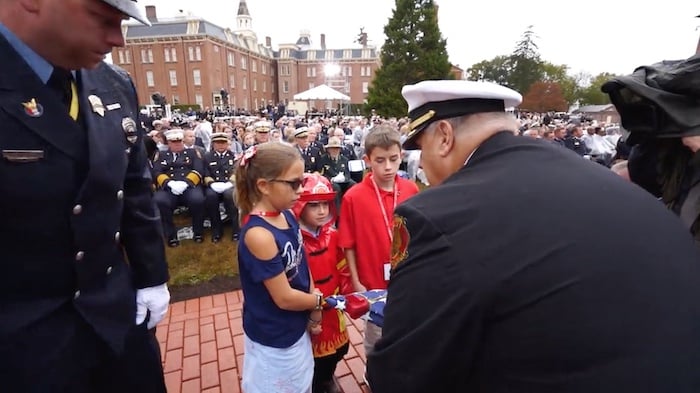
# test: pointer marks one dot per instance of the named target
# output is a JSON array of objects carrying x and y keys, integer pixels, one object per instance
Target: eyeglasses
[{"x": 295, "y": 184}]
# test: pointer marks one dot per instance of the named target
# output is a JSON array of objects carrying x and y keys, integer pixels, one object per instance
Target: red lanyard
[{"x": 385, "y": 216}]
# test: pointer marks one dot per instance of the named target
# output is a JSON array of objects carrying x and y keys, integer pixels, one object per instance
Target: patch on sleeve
[{"x": 399, "y": 243}]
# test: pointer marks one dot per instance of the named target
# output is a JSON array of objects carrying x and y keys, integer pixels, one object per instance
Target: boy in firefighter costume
[{"x": 314, "y": 209}]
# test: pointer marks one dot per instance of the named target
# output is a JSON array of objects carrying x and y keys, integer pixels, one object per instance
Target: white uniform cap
[
  {"x": 130, "y": 8},
  {"x": 175, "y": 134},
  {"x": 433, "y": 100}
]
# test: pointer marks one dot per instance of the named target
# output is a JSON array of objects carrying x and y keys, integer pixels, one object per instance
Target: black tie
[{"x": 60, "y": 82}]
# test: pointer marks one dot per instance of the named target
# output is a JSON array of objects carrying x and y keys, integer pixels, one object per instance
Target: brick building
[{"x": 190, "y": 60}]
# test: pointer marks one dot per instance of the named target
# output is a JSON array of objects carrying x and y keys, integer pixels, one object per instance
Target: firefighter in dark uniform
[
  {"x": 220, "y": 163},
  {"x": 480, "y": 301},
  {"x": 310, "y": 154},
  {"x": 334, "y": 166},
  {"x": 575, "y": 143},
  {"x": 77, "y": 205},
  {"x": 178, "y": 173}
]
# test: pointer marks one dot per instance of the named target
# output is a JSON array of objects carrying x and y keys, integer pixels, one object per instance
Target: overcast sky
[{"x": 592, "y": 36}]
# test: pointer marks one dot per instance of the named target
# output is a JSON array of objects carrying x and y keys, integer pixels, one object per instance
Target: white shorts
[{"x": 280, "y": 370}]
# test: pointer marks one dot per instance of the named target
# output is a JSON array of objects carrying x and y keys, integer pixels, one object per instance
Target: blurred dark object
[{"x": 659, "y": 100}]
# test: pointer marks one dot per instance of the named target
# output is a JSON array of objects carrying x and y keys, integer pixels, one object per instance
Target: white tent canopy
[{"x": 321, "y": 92}]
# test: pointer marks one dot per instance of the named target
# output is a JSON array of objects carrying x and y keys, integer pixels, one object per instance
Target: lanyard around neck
[{"x": 385, "y": 216}]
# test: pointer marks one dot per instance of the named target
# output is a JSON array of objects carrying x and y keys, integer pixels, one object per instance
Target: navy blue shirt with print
[{"x": 263, "y": 321}]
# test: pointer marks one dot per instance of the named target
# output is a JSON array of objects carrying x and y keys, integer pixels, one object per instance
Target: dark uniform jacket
[
  {"x": 311, "y": 156},
  {"x": 219, "y": 168},
  {"x": 188, "y": 166},
  {"x": 331, "y": 168},
  {"x": 497, "y": 287},
  {"x": 76, "y": 204}
]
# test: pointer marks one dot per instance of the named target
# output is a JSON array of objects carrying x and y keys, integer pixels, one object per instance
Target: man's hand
[
  {"x": 220, "y": 186},
  {"x": 692, "y": 142},
  {"x": 177, "y": 187},
  {"x": 153, "y": 299}
]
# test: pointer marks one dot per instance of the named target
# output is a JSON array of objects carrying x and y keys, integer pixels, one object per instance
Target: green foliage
[
  {"x": 592, "y": 95},
  {"x": 414, "y": 50},
  {"x": 524, "y": 67}
]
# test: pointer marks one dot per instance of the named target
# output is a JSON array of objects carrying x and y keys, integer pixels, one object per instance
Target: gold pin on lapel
[
  {"x": 33, "y": 108},
  {"x": 97, "y": 105}
]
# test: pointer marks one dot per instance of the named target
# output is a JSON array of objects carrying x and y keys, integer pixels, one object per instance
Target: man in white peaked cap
[
  {"x": 84, "y": 275},
  {"x": 504, "y": 279}
]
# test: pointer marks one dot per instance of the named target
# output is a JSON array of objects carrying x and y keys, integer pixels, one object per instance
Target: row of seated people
[{"x": 201, "y": 181}]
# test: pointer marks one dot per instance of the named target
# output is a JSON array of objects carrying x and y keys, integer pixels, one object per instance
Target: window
[
  {"x": 198, "y": 53},
  {"x": 245, "y": 103},
  {"x": 190, "y": 51},
  {"x": 311, "y": 86},
  {"x": 264, "y": 86},
  {"x": 264, "y": 69},
  {"x": 144, "y": 56},
  {"x": 311, "y": 72},
  {"x": 365, "y": 87},
  {"x": 365, "y": 71},
  {"x": 254, "y": 66},
  {"x": 150, "y": 56},
  {"x": 366, "y": 53},
  {"x": 347, "y": 54},
  {"x": 176, "y": 99},
  {"x": 245, "y": 83},
  {"x": 216, "y": 48},
  {"x": 285, "y": 87},
  {"x": 199, "y": 100},
  {"x": 121, "y": 56},
  {"x": 128, "y": 56},
  {"x": 197, "y": 77},
  {"x": 311, "y": 55},
  {"x": 173, "y": 78},
  {"x": 255, "y": 85},
  {"x": 149, "y": 79},
  {"x": 230, "y": 59},
  {"x": 244, "y": 63},
  {"x": 232, "y": 81},
  {"x": 284, "y": 53},
  {"x": 347, "y": 71},
  {"x": 173, "y": 55},
  {"x": 285, "y": 70},
  {"x": 166, "y": 53}
]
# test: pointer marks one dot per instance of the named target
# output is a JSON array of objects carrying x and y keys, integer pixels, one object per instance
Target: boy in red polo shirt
[{"x": 365, "y": 228}]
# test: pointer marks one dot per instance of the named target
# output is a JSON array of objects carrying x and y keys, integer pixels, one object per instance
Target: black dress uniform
[
  {"x": 496, "y": 288},
  {"x": 76, "y": 204},
  {"x": 187, "y": 166},
  {"x": 331, "y": 168},
  {"x": 577, "y": 145},
  {"x": 220, "y": 168},
  {"x": 311, "y": 156}
]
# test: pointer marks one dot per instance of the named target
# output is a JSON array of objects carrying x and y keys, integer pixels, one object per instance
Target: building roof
[
  {"x": 593, "y": 108},
  {"x": 319, "y": 54},
  {"x": 243, "y": 9},
  {"x": 181, "y": 27}
]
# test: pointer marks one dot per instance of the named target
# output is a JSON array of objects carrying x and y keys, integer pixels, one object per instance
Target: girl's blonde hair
[{"x": 265, "y": 161}]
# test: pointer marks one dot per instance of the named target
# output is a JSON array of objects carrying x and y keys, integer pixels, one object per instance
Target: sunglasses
[{"x": 294, "y": 184}]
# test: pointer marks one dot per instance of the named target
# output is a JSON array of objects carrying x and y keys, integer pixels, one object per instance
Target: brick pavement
[{"x": 201, "y": 341}]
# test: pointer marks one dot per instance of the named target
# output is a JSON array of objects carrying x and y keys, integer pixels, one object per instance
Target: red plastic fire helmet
[{"x": 316, "y": 189}]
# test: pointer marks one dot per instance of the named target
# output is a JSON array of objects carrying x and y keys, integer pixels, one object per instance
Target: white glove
[
  {"x": 177, "y": 187},
  {"x": 339, "y": 178},
  {"x": 221, "y": 186},
  {"x": 155, "y": 300}
]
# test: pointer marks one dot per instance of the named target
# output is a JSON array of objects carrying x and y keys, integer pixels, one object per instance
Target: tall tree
[
  {"x": 414, "y": 50},
  {"x": 558, "y": 74},
  {"x": 592, "y": 95},
  {"x": 544, "y": 97},
  {"x": 525, "y": 61},
  {"x": 496, "y": 70}
]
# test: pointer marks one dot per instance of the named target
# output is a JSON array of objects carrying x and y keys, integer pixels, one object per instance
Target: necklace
[{"x": 266, "y": 214}]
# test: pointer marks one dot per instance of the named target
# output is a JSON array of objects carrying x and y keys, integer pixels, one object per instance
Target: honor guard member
[
  {"x": 220, "y": 163},
  {"x": 334, "y": 166},
  {"x": 178, "y": 174},
  {"x": 480, "y": 301},
  {"x": 310, "y": 154},
  {"x": 83, "y": 268},
  {"x": 262, "y": 131}
]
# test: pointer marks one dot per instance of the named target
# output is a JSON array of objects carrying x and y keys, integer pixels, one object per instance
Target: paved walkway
[{"x": 202, "y": 346}]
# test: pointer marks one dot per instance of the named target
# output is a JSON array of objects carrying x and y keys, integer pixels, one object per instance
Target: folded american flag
[{"x": 367, "y": 305}]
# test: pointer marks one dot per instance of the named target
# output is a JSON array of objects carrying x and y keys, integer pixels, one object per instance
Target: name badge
[
  {"x": 387, "y": 271},
  {"x": 23, "y": 156}
]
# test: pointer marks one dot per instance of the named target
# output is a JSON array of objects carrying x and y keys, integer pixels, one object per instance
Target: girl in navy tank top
[{"x": 281, "y": 306}]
